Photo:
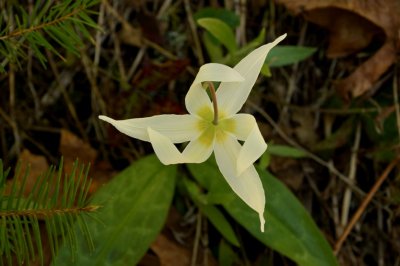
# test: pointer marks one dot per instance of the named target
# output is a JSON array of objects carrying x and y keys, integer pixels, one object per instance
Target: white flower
[{"x": 213, "y": 126}]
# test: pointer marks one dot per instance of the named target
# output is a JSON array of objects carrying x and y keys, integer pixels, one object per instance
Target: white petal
[
  {"x": 165, "y": 150},
  {"x": 177, "y": 128},
  {"x": 248, "y": 185},
  {"x": 231, "y": 97},
  {"x": 195, "y": 152},
  {"x": 197, "y": 98},
  {"x": 254, "y": 144}
]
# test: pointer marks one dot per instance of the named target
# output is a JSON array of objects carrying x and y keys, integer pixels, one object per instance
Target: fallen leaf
[
  {"x": 130, "y": 35},
  {"x": 72, "y": 148},
  {"x": 37, "y": 165},
  {"x": 367, "y": 74},
  {"x": 354, "y": 25},
  {"x": 170, "y": 253}
]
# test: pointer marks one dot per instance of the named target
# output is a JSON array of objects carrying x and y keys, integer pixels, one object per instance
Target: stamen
[{"x": 214, "y": 101}]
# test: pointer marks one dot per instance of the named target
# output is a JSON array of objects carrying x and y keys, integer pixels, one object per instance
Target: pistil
[{"x": 214, "y": 101}]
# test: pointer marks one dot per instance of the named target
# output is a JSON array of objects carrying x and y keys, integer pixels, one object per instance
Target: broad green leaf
[
  {"x": 229, "y": 17},
  {"x": 221, "y": 31},
  {"x": 226, "y": 255},
  {"x": 266, "y": 71},
  {"x": 289, "y": 229},
  {"x": 285, "y": 151},
  {"x": 283, "y": 55},
  {"x": 213, "y": 214},
  {"x": 135, "y": 205},
  {"x": 264, "y": 160},
  {"x": 220, "y": 223},
  {"x": 213, "y": 47}
]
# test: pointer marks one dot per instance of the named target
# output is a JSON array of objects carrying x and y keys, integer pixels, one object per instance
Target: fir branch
[
  {"x": 58, "y": 202},
  {"x": 44, "y": 213},
  {"x": 19, "y": 32},
  {"x": 65, "y": 24}
]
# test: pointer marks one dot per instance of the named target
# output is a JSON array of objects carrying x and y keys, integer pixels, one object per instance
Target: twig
[
  {"x": 328, "y": 124},
  {"x": 381, "y": 250},
  {"x": 364, "y": 204},
  {"x": 97, "y": 100},
  {"x": 97, "y": 51},
  {"x": 283, "y": 135},
  {"x": 14, "y": 125},
  {"x": 136, "y": 62},
  {"x": 11, "y": 85},
  {"x": 192, "y": 25},
  {"x": 396, "y": 100},
  {"x": 196, "y": 239},
  {"x": 31, "y": 86},
  {"x": 118, "y": 57},
  {"x": 294, "y": 77},
  {"x": 163, "y": 8},
  {"x": 67, "y": 100},
  {"x": 240, "y": 7},
  {"x": 352, "y": 177}
]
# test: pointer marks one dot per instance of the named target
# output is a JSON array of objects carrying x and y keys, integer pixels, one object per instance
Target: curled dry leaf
[
  {"x": 170, "y": 253},
  {"x": 37, "y": 165},
  {"x": 353, "y": 25},
  {"x": 72, "y": 148}
]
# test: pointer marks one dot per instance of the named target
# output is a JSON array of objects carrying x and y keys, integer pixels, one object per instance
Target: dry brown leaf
[
  {"x": 169, "y": 253},
  {"x": 37, "y": 164},
  {"x": 353, "y": 25},
  {"x": 130, "y": 35},
  {"x": 72, "y": 148}
]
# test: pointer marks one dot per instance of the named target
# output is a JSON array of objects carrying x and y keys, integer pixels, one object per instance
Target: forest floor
[{"x": 143, "y": 62}]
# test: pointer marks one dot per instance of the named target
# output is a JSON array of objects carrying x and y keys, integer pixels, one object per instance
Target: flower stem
[{"x": 214, "y": 101}]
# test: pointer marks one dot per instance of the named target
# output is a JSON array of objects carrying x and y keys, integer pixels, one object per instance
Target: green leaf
[
  {"x": 221, "y": 31},
  {"x": 135, "y": 205},
  {"x": 226, "y": 256},
  {"x": 213, "y": 47},
  {"x": 289, "y": 228},
  {"x": 220, "y": 223},
  {"x": 285, "y": 151},
  {"x": 283, "y": 55},
  {"x": 229, "y": 17},
  {"x": 213, "y": 214}
]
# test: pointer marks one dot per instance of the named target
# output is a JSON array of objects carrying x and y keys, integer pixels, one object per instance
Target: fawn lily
[{"x": 213, "y": 126}]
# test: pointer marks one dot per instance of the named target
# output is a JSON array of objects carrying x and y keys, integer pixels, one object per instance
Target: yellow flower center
[{"x": 210, "y": 130}]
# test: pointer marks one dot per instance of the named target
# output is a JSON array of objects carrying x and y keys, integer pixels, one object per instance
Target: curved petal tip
[
  {"x": 262, "y": 221},
  {"x": 106, "y": 118}
]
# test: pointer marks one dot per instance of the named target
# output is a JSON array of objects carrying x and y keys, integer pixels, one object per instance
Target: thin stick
[
  {"x": 396, "y": 100},
  {"x": 352, "y": 177},
  {"x": 192, "y": 25},
  {"x": 364, "y": 204},
  {"x": 196, "y": 239},
  {"x": 68, "y": 102}
]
